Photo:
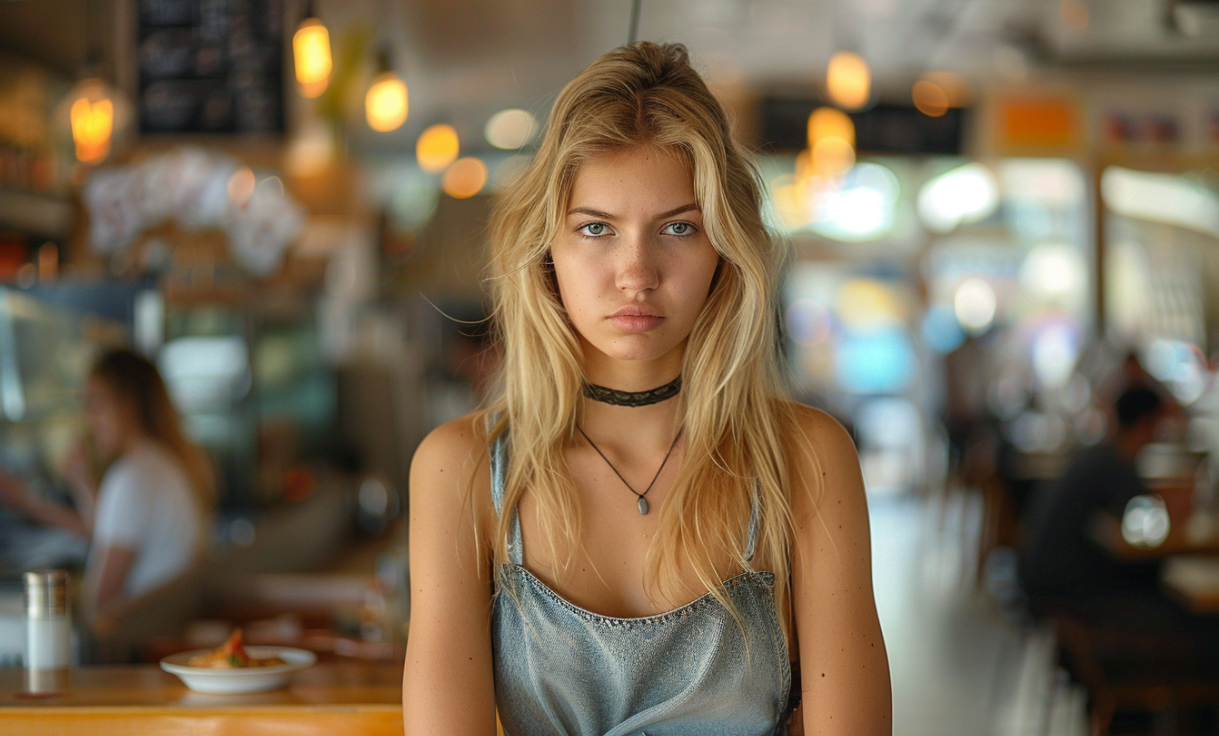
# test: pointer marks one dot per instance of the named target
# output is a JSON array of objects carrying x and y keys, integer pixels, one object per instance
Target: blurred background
[{"x": 1005, "y": 214}]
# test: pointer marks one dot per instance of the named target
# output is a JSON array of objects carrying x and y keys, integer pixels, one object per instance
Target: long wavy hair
[
  {"x": 135, "y": 379},
  {"x": 733, "y": 402}
]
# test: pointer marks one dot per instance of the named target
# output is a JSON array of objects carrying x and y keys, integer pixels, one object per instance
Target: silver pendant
[{"x": 643, "y": 506}]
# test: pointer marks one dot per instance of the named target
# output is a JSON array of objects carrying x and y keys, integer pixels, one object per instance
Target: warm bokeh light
[
  {"x": 930, "y": 98},
  {"x": 465, "y": 178},
  {"x": 386, "y": 105},
  {"x": 826, "y": 122},
  {"x": 92, "y": 128},
  {"x": 831, "y": 146},
  {"x": 510, "y": 129},
  {"x": 437, "y": 147},
  {"x": 311, "y": 52},
  {"x": 832, "y": 157},
  {"x": 848, "y": 81}
]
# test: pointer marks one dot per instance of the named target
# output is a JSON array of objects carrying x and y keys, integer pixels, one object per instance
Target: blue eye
[
  {"x": 593, "y": 229},
  {"x": 679, "y": 228}
]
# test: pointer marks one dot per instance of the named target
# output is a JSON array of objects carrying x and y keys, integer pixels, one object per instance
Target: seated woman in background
[{"x": 147, "y": 519}]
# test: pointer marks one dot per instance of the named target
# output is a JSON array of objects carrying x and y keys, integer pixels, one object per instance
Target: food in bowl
[{"x": 232, "y": 655}]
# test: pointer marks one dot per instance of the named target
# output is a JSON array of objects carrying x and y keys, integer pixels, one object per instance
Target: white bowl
[{"x": 239, "y": 680}]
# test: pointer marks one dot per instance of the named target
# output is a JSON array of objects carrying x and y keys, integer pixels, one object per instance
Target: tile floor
[{"x": 959, "y": 667}]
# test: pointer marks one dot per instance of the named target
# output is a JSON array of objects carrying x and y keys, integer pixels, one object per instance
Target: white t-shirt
[{"x": 145, "y": 503}]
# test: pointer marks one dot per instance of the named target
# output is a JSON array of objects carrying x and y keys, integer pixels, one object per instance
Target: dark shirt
[{"x": 1057, "y": 556}]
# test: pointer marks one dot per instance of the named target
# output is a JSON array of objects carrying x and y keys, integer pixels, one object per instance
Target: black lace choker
[{"x": 632, "y": 398}]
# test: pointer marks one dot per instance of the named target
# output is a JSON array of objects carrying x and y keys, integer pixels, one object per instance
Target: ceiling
[{"x": 465, "y": 59}]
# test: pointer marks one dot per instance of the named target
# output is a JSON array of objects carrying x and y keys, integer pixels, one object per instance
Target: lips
[{"x": 636, "y": 318}]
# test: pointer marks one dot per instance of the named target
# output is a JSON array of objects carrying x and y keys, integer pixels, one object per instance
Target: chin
[{"x": 642, "y": 348}]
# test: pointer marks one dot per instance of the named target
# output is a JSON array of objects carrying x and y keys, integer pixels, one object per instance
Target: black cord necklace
[
  {"x": 642, "y": 503},
  {"x": 632, "y": 398}
]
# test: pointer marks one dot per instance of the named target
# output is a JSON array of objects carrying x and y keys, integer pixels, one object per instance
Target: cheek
[
  {"x": 698, "y": 276},
  {"x": 578, "y": 285}
]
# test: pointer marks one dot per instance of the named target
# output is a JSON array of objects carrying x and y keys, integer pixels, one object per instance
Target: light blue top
[{"x": 693, "y": 671}]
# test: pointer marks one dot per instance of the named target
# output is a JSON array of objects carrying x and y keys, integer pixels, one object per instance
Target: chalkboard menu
[{"x": 210, "y": 66}]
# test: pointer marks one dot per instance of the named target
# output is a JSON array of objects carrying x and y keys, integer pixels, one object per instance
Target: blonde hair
[{"x": 732, "y": 403}]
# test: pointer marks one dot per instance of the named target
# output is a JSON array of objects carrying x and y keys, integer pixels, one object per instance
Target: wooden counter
[{"x": 330, "y": 699}]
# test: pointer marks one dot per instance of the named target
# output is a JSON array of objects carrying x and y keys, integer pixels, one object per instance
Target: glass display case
[
  {"x": 45, "y": 355},
  {"x": 253, "y": 388}
]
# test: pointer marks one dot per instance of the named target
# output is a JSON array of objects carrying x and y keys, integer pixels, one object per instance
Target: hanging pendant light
[
  {"x": 91, "y": 108},
  {"x": 311, "y": 54},
  {"x": 386, "y": 105},
  {"x": 848, "y": 81},
  {"x": 95, "y": 112}
]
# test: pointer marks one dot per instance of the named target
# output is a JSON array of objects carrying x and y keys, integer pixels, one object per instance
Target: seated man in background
[{"x": 1057, "y": 559}]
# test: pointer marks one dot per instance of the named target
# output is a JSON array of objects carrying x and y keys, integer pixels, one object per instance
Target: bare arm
[
  {"x": 448, "y": 685},
  {"x": 104, "y": 587},
  {"x": 14, "y": 495},
  {"x": 844, "y": 668}
]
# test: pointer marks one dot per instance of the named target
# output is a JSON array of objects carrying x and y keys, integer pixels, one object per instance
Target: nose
[{"x": 636, "y": 268}]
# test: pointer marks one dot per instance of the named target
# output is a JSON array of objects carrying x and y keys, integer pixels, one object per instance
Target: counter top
[{"x": 326, "y": 699}]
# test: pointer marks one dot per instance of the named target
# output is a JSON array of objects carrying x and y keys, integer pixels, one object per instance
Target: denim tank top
[{"x": 693, "y": 671}]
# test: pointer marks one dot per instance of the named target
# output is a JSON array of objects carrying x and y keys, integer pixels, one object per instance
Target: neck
[
  {"x": 631, "y": 375},
  {"x": 642, "y": 426}
]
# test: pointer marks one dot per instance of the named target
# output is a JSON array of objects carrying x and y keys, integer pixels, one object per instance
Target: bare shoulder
[
  {"x": 452, "y": 444},
  {"x": 824, "y": 462},
  {"x": 449, "y": 463}
]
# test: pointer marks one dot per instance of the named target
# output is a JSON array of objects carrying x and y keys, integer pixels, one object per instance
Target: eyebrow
[{"x": 607, "y": 216}]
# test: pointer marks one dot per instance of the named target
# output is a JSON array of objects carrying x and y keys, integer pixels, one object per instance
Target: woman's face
[
  {"x": 634, "y": 264},
  {"x": 109, "y": 418}
]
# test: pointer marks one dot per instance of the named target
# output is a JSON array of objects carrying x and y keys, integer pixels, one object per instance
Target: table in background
[
  {"x": 1194, "y": 581},
  {"x": 326, "y": 699}
]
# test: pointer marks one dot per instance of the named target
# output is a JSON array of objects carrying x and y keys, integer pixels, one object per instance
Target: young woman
[
  {"x": 147, "y": 519},
  {"x": 641, "y": 534}
]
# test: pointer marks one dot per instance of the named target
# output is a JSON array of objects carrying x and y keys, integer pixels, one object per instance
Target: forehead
[{"x": 644, "y": 178}]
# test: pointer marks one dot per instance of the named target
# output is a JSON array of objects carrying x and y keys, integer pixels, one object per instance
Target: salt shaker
[{"x": 49, "y": 625}]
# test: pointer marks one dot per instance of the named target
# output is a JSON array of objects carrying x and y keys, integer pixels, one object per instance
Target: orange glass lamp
[
  {"x": 386, "y": 104},
  {"x": 311, "y": 54},
  {"x": 91, "y": 113}
]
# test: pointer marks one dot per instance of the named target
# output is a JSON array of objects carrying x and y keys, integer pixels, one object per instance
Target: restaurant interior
[{"x": 1005, "y": 221}]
